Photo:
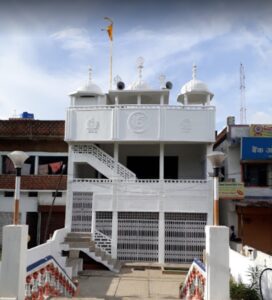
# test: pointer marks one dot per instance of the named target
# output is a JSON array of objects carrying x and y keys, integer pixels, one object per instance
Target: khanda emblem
[
  {"x": 137, "y": 122},
  {"x": 93, "y": 126}
]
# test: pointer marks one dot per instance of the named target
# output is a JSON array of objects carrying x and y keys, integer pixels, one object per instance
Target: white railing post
[{"x": 217, "y": 263}]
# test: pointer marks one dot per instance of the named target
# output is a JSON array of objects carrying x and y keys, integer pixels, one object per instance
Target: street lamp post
[
  {"x": 216, "y": 158},
  {"x": 18, "y": 158}
]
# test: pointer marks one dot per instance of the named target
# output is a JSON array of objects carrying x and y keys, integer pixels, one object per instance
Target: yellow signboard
[
  {"x": 231, "y": 190},
  {"x": 260, "y": 130}
]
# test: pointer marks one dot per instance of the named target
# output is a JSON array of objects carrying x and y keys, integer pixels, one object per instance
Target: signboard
[
  {"x": 256, "y": 148},
  {"x": 260, "y": 130},
  {"x": 231, "y": 190}
]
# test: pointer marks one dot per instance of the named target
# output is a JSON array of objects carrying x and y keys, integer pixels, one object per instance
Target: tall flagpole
[
  {"x": 110, "y": 34},
  {"x": 111, "y": 48}
]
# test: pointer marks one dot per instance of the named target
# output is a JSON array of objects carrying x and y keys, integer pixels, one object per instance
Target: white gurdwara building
[{"x": 138, "y": 170}]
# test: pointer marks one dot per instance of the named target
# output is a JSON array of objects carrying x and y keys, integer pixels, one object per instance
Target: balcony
[{"x": 141, "y": 123}]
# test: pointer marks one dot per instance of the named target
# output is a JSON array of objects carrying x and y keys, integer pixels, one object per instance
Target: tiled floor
[{"x": 130, "y": 284}]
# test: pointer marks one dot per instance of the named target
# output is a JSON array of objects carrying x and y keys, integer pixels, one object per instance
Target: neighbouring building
[
  {"x": 44, "y": 142},
  {"x": 248, "y": 169},
  {"x": 138, "y": 168}
]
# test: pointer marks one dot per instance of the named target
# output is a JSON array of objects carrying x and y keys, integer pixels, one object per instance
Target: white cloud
[
  {"x": 73, "y": 39},
  {"x": 261, "y": 117}
]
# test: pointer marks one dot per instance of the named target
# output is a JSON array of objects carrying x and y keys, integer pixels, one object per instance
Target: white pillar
[
  {"x": 69, "y": 194},
  {"x": 217, "y": 263},
  {"x": 36, "y": 165},
  {"x": 139, "y": 99},
  {"x": 14, "y": 261},
  {"x": 208, "y": 99},
  {"x": 114, "y": 234},
  {"x": 162, "y": 100},
  {"x": 116, "y": 99},
  {"x": 161, "y": 237},
  {"x": 93, "y": 221},
  {"x": 116, "y": 156},
  {"x": 161, "y": 161},
  {"x": 185, "y": 99}
]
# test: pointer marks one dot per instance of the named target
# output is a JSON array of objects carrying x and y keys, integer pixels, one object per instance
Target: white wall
[
  {"x": 233, "y": 163},
  {"x": 141, "y": 123}
]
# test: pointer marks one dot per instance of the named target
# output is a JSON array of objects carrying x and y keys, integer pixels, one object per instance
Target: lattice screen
[
  {"x": 138, "y": 236},
  {"x": 184, "y": 236},
  {"x": 82, "y": 212}
]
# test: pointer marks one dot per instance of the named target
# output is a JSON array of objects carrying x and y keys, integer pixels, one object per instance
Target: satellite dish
[
  {"x": 169, "y": 85},
  {"x": 120, "y": 85}
]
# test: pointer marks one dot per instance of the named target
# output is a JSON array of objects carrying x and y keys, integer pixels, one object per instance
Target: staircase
[
  {"x": 102, "y": 162},
  {"x": 85, "y": 243}
]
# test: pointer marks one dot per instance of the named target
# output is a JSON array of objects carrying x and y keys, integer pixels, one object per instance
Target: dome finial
[
  {"x": 90, "y": 74},
  {"x": 194, "y": 71},
  {"x": 140, "y": 66}
]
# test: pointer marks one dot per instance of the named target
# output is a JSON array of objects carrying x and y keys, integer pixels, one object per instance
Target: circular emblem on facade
[{"x": 137, "y": 122}]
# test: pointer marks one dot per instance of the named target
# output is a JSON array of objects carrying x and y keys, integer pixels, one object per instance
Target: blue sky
[{"x": 47, "y": 48}]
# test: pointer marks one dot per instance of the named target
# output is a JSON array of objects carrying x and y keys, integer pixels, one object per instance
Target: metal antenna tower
[{"x": 243, "y": 119}]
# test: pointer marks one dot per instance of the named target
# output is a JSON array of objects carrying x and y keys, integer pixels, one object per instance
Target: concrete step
[
  {"x": 79, "y": 234},
  {"x": 77, "y": 245}
]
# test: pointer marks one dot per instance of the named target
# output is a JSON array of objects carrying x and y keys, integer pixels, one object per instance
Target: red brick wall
[
  {"x": 31, "y": 129},
  {"x": 32, "y": 135},
  {"x": 34, "y": 182}
]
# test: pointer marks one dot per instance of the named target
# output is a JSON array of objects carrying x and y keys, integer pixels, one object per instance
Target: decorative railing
[
  {"x": 163, "y": 181},
  {"x": 46, "y": 278},
  {"x": 143, "y": 107},
  {"x": 106, "y": 159},
  {"x": 194, "y": 284},
  {"x": 146, "y": 186},
  {"x": 103, "y": 241}
]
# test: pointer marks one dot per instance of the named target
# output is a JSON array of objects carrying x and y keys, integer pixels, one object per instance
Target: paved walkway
[{"x": 130, "y": 283}]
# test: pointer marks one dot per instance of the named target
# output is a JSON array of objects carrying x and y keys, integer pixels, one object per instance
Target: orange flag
[{"x": 109, "y": 30}]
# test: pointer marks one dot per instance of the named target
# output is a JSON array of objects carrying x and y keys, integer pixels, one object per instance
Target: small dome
[
  {"x": 90, "y": 88},
  {"x": 196, "y": 91},
  {"x": 195, "y": 85}
]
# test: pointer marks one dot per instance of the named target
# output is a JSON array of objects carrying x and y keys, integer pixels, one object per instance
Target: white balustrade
[{"x": 141, "y": 107}]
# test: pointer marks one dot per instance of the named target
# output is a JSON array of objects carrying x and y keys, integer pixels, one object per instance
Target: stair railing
[{"x": 106, "y": 159}]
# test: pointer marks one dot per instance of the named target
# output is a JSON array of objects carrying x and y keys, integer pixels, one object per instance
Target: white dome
[
  {"x": 90, "y": 88},
  {"x": 195, "y": 85}
]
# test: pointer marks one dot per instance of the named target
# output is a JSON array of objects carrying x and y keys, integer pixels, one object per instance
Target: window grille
[
  {"x": 5, "y": 219},
  {"x": 82, "y": 212},
  {"x": 104, "y": 222},
  {"x": 138, "y": 236},
  {"x": 184, "y": 236}
]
